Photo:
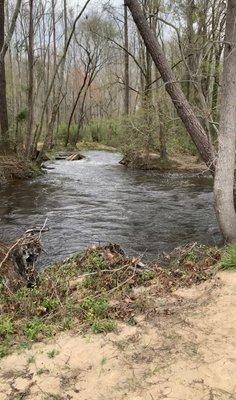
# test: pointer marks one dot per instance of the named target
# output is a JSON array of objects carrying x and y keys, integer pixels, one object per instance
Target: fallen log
[{"x": 75, "y": 157}]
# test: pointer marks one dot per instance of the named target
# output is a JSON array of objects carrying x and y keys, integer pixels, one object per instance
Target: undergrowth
[
  {"x": 93, "y": 290},
  {"x": 229, "y": 258}
]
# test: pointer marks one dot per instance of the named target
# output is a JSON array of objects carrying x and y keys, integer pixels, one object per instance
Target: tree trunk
[
  {"x": 126, "y": 56},
  {"x": 224, "y": 175},
  {"x": 4, "y": 136},
  {"x": 180, "y": 102},
  {"x": 30, "y": 119},
  {"x": 190, "y": 9}
]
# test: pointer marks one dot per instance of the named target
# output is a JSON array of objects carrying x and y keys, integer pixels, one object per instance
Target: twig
[{"x": 9, "y": 251}]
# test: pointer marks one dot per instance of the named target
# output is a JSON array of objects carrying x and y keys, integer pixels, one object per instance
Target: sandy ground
[{"x": 185, "y": 351}]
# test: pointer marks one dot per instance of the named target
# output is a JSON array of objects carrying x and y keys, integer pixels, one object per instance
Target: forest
[{"x": 117, "y": 199}]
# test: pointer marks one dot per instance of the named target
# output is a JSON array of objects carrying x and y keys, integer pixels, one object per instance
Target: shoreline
[
  {"x": 91, "y": 287},
  {"x": 13, "y": 168},
  {"x": 162, "y": 332}
]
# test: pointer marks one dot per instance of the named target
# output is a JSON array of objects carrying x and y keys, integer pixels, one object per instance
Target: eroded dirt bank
[{"x": 185, "y": 351}]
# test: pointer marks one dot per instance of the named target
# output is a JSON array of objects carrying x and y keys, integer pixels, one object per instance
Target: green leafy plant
[
  {"x": 6, "y": 326},
  {"x": 50, "y": 303},
  {"x": 95, "y": 262},
  {"x": 33, "y": 328},
  {"x": 94, "y": 308},
  {"x": 147, "y": 276}
]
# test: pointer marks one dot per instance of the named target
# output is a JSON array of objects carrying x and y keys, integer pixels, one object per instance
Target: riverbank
[
  {"x": 14, "y": 168},
  {"x": 152, "y": 161},
  {"x": 158, "y": 330}
]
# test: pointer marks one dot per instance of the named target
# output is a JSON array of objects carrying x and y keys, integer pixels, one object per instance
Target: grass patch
[
  {"x": 229, "y": 257},
  {"x": 53, "y": 353}
]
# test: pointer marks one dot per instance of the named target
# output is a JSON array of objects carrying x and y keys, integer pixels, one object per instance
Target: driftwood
[
  {"x": 17, "y": 260},
  {"x": 75, "y": 157}
]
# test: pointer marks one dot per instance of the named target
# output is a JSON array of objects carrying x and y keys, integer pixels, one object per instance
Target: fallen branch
[{"x": 17, "y": 261}]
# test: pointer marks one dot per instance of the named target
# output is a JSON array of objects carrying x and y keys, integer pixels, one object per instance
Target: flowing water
[{"x": 97, "y": 200}]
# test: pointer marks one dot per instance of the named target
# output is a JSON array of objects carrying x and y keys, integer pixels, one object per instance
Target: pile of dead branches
[
  {"x": 14, "y": 168},
  {"x": 17, "y": 260}
]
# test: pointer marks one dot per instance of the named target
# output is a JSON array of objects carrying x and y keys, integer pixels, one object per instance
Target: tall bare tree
[
  {"x": 30, "y": 51},
  {"x": 225, "y": 166},
  {"x": 126, "y": 60},
  {"x": 5, "y": 145}
]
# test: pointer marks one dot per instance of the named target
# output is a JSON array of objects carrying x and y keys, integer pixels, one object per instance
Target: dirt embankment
[
  {"x": 152, "y": 161},
  {"x": 12, "y": 168},
  {"x": 184, "y": 350}
]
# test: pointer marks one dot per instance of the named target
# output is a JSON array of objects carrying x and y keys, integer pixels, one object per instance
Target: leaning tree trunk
[
  {"x": 184, "y": 109},
  {"x": 225, "y": 166}
]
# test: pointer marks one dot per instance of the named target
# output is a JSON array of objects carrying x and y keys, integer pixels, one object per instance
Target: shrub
[
  {"x": 33, "y": 328},
  {"x": 94, "y": 308},
  {"x": 6, "y": 326}
]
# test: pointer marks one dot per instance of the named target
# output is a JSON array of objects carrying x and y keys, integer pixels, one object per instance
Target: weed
[
  {"x": 22, "y": 346},
  {"x": 50, "y": 304},
  {"x": 33, "y": 328},
  {"x": 95, "y": 262},
  {"x": 42, "y": 371},
  {"x": 147, "y": 275},
  {"x": 228, "y": 260},
  {"x": 67, "y": 323},
  {"x": 31, "y": 360},
  {"x": 191, "y": 256},
  {"x": 103, "y": 361},
  {"x": 53, "y": 353},
  {"x": 6, "y": 326},
  {"x": 4, "y": 349},
  {"x": 94, "y": 307},
  {"x": 103, "y": 325}
]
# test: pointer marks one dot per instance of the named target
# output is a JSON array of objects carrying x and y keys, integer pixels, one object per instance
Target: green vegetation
[
  {"x": 53, "y": 353},
  {"x": 229, "y": 257},
  {"x": 6, "y": 326},
  {"x": 130, "y": 133},
  {"x": 33, "y": 328},
  {"x": 92, "y": 290},
  {"x": 113, "y": 132}
]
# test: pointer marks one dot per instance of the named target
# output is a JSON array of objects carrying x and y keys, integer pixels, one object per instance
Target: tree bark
[
  {"x": 30, "y": 114},
  {"x": 184, "y": 109},
  {"x": 4, "y": 142},
  {"x": 225, "y": 166},
  {"x": 126, "y": 60}
]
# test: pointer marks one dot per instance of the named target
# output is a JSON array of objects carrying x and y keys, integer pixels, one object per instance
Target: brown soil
[
  {"x": 184, "y": 351},
  {"x": 12, "y": 168}
]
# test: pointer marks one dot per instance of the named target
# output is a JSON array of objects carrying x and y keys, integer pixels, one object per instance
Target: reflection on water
[{"x": 97, "y": 200}]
